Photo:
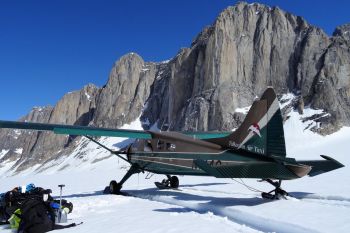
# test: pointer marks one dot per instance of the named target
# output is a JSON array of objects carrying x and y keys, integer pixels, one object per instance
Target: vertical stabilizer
[{"x": 261, "y": 131}]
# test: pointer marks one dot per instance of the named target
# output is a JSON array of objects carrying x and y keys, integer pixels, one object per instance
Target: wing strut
[{"x": 117, "y": 153}]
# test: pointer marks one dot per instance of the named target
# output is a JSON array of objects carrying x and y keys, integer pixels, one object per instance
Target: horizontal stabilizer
[{"x": 322, "y": 166}]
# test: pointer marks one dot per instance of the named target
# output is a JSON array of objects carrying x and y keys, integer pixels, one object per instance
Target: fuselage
[
  {"x": 175, "y": 154},
  {"x": 182, "y": 163}
]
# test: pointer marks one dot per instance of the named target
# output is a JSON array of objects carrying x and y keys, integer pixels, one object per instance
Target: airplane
[{"x": 255, "y": 150}]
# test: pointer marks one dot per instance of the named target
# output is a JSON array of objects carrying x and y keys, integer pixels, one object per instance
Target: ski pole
[{"x": 61, "y": 187}]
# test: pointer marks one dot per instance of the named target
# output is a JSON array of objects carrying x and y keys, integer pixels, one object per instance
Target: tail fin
[{"x": 262, "y": 129}]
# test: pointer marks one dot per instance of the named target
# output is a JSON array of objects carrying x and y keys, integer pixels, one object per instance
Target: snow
[
  {"x": 4, "y": 167},
  {"x": 146, "y": 122},
  {"x": 286, "y": 99},
  {"x": 88, "y": 96},
  {"x": 202, "y": 204},
  {"x": 154, "y": 127},
  {"x": 38, "y": 108},
  {"x": 244, "y": 110},
  {"x": 3, "y": 153},
  {"x": 17, "y": 132},
  {"x": 19, "y": 151}
]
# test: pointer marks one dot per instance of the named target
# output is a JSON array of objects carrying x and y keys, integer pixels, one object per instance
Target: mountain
[{"x": 246, "y": 49}]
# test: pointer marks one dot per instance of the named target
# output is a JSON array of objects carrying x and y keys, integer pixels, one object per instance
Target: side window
[
  {"x": 136, "y": 144},
  {"x": 148, "y": 146},
  {"x": 170, "y": 146},
  {"x": 160, "y": 145}
]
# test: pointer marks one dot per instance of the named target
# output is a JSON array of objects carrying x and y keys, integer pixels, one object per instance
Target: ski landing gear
[
  {"x": 171, "y": 182},
  {"x": 278, "y": 191},
  {"x": 114, "y": 187}
]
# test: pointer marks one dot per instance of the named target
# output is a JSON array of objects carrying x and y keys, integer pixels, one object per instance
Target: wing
[
  {"x": 95, "y": 131},
  {"x": 76, "y": 130}
]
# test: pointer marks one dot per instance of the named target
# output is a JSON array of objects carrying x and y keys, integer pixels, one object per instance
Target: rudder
[{"x": 262, "y": 129}]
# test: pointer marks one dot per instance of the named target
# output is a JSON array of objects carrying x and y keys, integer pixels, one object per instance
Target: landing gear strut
[
  {"x": 114, "y": 187},
  {"x": 278, "y": 192},
  {"x": 170, "y": 182}
]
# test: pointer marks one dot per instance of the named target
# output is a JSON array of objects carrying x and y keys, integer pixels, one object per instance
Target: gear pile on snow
[{"x": 31, "y": 209}]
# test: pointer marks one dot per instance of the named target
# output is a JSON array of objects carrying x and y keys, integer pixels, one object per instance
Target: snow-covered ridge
[
  {"x": 88, "y": 96},
  {"x": 244, "y": 110},
  {"x": 3, "y": 153},
  {"x": 19, "y": 151}
]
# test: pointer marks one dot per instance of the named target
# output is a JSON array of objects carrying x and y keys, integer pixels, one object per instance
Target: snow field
[{"x": 202, "y": 204}]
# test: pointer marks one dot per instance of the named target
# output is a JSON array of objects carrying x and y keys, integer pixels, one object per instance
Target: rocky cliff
[
  {"x": 246, "y": 49},
  {"x": 249, "y": 47}
]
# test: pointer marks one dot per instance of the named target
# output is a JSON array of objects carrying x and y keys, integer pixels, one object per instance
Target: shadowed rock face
[
  {"x": 38, "y": 147},
  {"x": 246, "y": 49},
  {"x": 127, "y": 89}
]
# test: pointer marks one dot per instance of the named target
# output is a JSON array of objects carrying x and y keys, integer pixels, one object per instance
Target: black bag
[
  {"x": 12, "y": 200},
  {"x": 36, "y": 217},
  {"x": 9, "y": 202}
]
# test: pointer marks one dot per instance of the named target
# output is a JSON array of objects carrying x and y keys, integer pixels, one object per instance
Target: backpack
[
  {"x": 9, "y": 203},
  {"x": 36, "y": 217},
  {"x": 12, "y": 200}
]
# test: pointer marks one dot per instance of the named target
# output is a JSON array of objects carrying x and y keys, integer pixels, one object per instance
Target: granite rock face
[
  {"x": 38, "y": 147},
  {"x": 125, "y": 93},
  {"x": 250, "y": 47},
  {"x": 343, "y": 31},
  {"x": 229, "y": 64},
  {"x": 331, "y": 86},
  {"x": 19, "y": 143}
]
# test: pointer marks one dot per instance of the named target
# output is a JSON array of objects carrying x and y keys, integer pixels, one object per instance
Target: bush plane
[{"x": 255, "y": 150}]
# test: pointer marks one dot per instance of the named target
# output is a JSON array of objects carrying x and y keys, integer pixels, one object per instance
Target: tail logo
[{"x": 255, "y": 128}]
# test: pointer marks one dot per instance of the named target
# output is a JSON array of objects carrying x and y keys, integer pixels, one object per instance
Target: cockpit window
[
  {"x": 136, "y": 144},
  {"x": 160, "y": 145},
  {"x": 170, "y": 146},
  {"x": 148, "y": 146}
]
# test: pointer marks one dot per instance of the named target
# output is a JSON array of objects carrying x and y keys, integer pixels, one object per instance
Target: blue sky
[{"x": 48, "y": 48}]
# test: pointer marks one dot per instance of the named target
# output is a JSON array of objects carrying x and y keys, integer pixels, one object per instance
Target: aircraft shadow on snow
[
  {"x": 92, "y": 194},
  {"x": 101, "y": 192},
  {"x": 204, "y": 202},
  {"x": 182, "y": 196},
  {"x": 203, "y": 184}
]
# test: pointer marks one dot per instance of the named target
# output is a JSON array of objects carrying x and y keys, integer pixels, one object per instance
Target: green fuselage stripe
[{"x": 232, "y": 163}]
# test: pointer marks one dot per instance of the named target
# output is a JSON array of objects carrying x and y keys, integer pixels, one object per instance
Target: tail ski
[{"x": 262, "y": 129}]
